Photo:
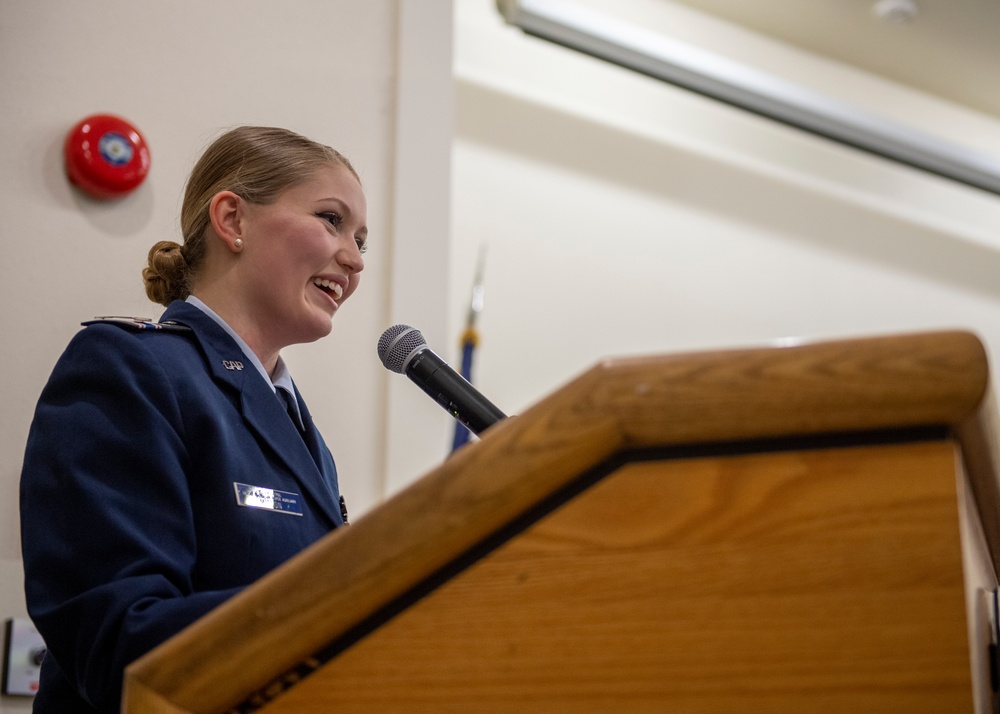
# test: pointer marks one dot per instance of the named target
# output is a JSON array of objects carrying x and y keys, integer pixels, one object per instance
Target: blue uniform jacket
[{"x": 130, "y": 525}]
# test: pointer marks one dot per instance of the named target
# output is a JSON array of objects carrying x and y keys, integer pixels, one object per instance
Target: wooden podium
[{"x": 807, "y": 528}]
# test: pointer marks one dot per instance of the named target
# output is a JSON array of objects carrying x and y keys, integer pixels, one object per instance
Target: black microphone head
[{"x": 397, "y": 345}]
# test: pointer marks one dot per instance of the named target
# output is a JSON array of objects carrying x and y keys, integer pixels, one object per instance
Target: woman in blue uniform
[{"x": 171, "y": 464}]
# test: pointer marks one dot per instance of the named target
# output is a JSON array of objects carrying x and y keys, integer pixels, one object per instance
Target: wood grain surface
[
  {"x": 654, "y": 402},
  {"x": 823, "y": 581}
]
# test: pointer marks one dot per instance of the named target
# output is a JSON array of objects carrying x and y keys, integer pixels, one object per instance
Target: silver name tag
[{"x": 268, "y": 499}]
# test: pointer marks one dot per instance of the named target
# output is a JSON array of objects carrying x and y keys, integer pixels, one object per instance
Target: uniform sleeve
[{"x": 106, "y": 520}]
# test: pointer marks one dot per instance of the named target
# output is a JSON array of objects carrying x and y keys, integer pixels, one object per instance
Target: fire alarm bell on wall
[{"x": 106, "y": 156}]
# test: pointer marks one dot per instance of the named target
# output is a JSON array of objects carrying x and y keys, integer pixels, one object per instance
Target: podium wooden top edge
[{"x": 854, "y": 385}]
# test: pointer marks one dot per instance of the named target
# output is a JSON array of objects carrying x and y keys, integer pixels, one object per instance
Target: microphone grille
[{"x": 397, "y": 344}]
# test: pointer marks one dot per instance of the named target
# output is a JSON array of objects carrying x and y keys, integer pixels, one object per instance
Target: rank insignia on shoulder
[{"x": 138, "y": 323}]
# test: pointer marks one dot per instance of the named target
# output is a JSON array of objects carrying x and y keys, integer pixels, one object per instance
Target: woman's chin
[{"x": 321, "y": 328}]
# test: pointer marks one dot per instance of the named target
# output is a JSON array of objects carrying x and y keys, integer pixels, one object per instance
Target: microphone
[{"x": 403, "y": 349}]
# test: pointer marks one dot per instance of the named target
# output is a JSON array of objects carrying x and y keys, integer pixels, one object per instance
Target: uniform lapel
[
  {"x": 263, "y": 410},
  {"x": 310, "y": 436}
]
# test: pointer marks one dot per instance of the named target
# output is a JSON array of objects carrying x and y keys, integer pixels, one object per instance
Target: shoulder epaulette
[{"x": 138, "y": 323}]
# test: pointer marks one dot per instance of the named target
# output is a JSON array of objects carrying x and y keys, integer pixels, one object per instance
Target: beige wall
[
  {"x": 624, "y": 215},
  {"x": 351, "y": 74}
]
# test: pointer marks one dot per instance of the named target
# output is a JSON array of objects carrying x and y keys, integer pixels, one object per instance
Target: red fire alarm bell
[{"x": 106, "y": 156}]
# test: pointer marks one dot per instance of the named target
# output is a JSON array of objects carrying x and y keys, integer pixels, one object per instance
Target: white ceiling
[{"x": 951, "y": 48}]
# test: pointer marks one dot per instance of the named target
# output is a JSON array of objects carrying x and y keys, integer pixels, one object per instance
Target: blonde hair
[{"x": 256, "y": 163}]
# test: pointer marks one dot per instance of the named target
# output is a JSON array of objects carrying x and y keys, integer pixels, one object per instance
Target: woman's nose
[{"x": 349, "y": 256}]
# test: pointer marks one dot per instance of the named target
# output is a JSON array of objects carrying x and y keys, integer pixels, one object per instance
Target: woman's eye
[
  {"x": 333, "y": 219},
  {"x": 362, "y": 245}
]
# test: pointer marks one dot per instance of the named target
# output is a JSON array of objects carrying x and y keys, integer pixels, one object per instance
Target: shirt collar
[{"x": 282, "y": 378}]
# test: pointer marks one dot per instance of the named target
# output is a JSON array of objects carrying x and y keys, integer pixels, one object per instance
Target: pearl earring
[{"x": 238, "y": 243}]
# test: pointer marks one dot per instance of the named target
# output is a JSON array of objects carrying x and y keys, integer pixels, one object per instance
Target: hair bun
[{"x": 165, "y": 274}]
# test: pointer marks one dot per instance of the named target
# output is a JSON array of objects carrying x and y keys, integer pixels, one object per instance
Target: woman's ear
[{"x": 226, "y": 212}]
